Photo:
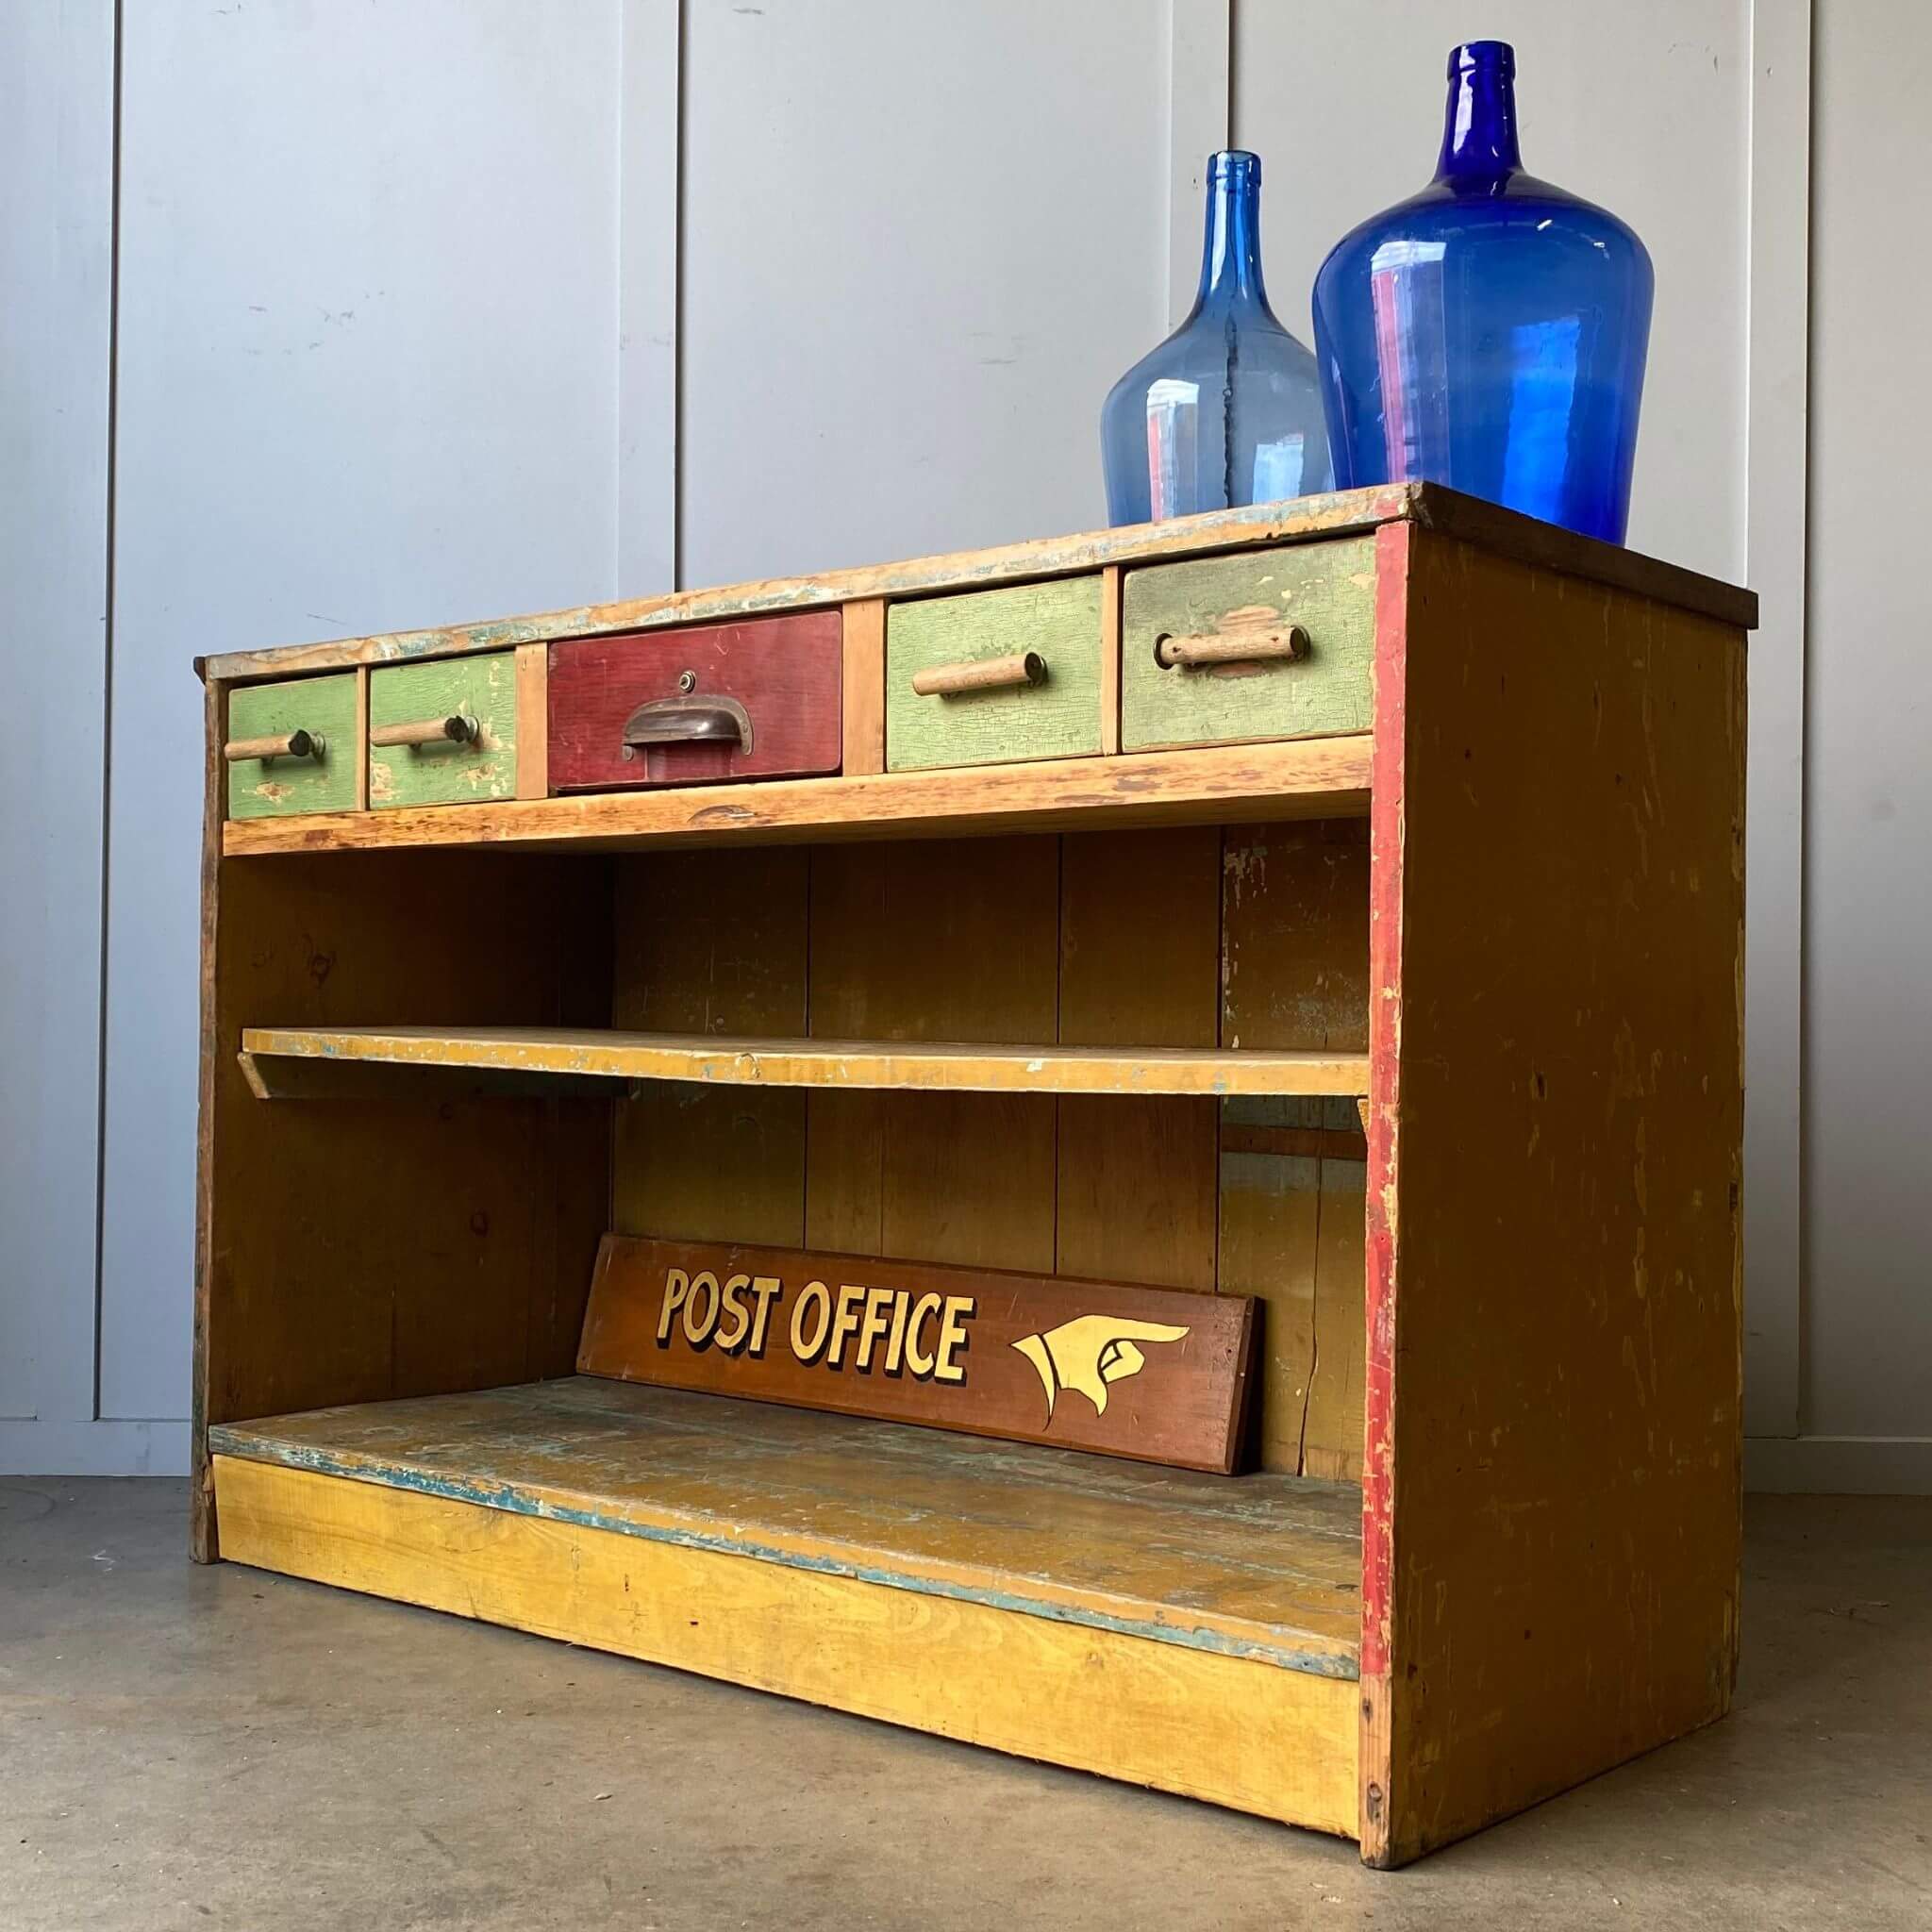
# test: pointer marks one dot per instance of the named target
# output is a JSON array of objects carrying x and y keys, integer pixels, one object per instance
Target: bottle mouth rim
[
  {"x": 1232, "y": 163},
  {"x": 1482, "y": 56}
]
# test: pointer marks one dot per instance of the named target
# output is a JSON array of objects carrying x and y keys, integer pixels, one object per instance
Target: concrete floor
[{"x": 196, "y": 1748}]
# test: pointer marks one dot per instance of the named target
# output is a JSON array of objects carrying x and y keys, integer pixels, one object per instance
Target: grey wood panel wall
[
  {"x": 919, "y": 242},
  {"x": 56, "y": 223},
  {"x": 452, "y": 307}
]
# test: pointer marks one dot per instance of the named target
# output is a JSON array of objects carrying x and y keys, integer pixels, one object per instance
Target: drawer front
[
  {"x": 325, "y": 779},
  {"x": 444, "y": 771},
  {"x": 1327, "y": 589},
  {"x": 758, "y": 700},
  {"x": 1056, "y": 718}
]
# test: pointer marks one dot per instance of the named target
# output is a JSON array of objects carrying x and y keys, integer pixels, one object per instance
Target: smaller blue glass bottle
[
  {"x": 1225, "y": 411},
  {"x": 1489, "y": 332}
]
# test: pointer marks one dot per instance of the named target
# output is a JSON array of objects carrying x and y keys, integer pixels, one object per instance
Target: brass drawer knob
[{"x": 981, "y": 674}]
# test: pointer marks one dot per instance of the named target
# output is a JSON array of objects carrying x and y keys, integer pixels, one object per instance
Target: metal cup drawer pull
[
  {"x": 1250, "y": 636},
  {"x": 453, "y": 730},
  {"x": 687, "y": 720},
  {"x": 289, "y": 744},
  {"x": 981, "y": 674}
]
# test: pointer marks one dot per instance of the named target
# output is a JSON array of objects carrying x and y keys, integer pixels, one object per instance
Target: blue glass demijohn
[
  {"x": 1226, "y": 410},
  {"x": 1489, "y": 332}
]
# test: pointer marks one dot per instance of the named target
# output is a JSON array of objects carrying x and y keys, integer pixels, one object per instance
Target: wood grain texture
[
  {"x": 1381, "y": 1121},
  {"x": 863, "y": 688},
  {"x": 203, "y": 1535},
  {"x": 276, "y": 788},
  {"x": 1056, "y": 719},
  {"x": 1140, "y": 923},
  {"x": 1429, "y": 504},
  {"x": 1562, "y": 1409},
  {"x": 446, "y": 772},
  {"x": 361, "y": 799},
  {"x": 909, "y": 942},
  {"x": 1328, "y": 589},
  {"x": 1264, "y": 1567},
  {"x": 1111, "y": 1368},
  {"x": 708, "y": 942},
  {"x": 785, "y": 671},
  {"x": 739, "y": 1060},
  {"x": 1234, "y": 1731},
  {"x": 1332, "y": 1425},
  {"x": 1315, "y": 778},
  {"x": 1110, "y": 660},
  {"x": 533, "y": 720},
  {"x": 1296, "y": 973},
  {"x": 354, "y": 1251}
]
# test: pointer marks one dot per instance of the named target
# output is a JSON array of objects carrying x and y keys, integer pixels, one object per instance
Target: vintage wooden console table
[{"x": 1075, "y": 895}]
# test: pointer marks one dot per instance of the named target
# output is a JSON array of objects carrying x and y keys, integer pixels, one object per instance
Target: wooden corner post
[{"x": 1551, "y": 1500}]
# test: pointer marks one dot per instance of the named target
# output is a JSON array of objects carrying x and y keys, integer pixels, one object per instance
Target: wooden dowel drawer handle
[
  {"x": 456, "y": 730},
  {"x": 1289, "y": 642},
  {"x": 983, "y": 674},
  {"x": 291, "y": 744}
]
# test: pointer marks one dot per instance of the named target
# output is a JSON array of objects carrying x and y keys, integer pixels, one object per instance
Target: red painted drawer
[{"x": 689, "y": 700}]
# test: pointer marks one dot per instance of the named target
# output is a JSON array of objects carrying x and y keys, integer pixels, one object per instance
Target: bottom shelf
[{"x": 1195, "y": 1633}]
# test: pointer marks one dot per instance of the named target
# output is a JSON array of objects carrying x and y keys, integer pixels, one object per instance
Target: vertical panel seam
[
  {"x": 1776, "y": 541},
  {"x": 107, "y": 588}
]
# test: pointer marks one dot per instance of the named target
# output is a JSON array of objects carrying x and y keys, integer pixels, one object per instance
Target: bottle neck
[
  {"x": 1231, "y": 248},
  {"x": 1479, "y": 126}
]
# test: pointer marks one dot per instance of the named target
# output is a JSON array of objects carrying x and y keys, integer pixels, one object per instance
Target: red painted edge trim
[{"x": 1385, "y": 847}]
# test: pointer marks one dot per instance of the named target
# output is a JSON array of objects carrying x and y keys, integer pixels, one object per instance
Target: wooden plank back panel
[
  {"x": 1296, "y": 973},
  {"x": 356, "y": 1250},
  {"x": 1554, "y": 1421},
  {"x": 1139, "y": 966},
  {"x": 712, "y": 943},
  {"x": 954, "y": 941}
]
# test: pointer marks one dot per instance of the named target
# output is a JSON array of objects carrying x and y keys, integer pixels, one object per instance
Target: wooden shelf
[
  {"x": 280, "y": 1062},
  {"x": 1327, "y": 777},
  {"x": 1266, "y": 1567}
]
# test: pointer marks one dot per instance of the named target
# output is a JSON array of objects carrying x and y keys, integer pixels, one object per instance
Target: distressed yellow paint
[
  {"x": 1313, "y": 778},
  {"x": 722, "y": 1060},
  {"x": 1263, "y": 1568},
  {"x": 1237, "y": 1732}
]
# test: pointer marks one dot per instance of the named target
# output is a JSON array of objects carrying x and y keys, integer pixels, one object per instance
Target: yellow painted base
[{"x": 1251, "y": 1736}]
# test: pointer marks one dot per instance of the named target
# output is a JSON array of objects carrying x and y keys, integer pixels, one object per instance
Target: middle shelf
[{"x": 278, "y": 1060}]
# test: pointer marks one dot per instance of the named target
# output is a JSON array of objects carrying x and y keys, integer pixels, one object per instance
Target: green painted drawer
[
  {"x": 447, "y": 770},
  {"x": 324, "y": 708},
  {"x": 1057, "y": 718},
  {"x": 1328, "y": 589}
]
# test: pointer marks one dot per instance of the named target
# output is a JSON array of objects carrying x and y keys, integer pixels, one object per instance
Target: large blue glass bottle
[
  {"x": 1226, "y": 410},
  {"x": 1489, "y": 332}
]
